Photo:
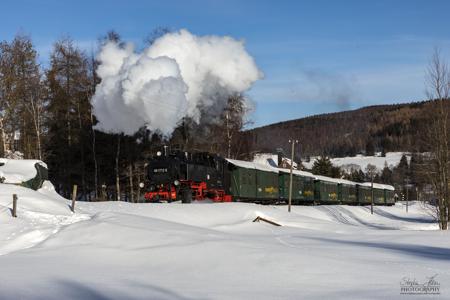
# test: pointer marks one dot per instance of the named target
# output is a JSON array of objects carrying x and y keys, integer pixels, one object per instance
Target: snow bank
[
  {"x": 40, "y": 214},
  {"x": 36, "y": 201},
  {"x": 18, "y": 170}
]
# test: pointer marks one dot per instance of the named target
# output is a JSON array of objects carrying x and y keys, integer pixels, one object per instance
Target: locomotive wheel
[{"x": 186, "y": 196}]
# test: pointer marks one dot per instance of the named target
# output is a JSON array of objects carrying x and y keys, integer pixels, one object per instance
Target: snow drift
[
  {"x": 18, "y": 170},
  {"x": 177, "y": 76}
]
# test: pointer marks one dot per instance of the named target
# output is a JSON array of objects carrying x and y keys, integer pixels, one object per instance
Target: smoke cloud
[
  {"x": 332, "y": 88},
  {"x": 179, "y": 75}
]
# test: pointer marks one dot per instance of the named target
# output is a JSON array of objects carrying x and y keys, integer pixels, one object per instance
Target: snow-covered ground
[
  {"x": 360, "y": 162},
  {"x": 117, "y": 250}
]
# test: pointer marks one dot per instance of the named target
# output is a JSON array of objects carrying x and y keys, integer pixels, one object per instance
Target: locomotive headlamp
[
  {"x": 141, "y": 185},
  {"x": 159, "y": 153},
  {"x": 176, "y": 182}
]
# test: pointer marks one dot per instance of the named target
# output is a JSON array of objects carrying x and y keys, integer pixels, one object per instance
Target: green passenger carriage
[
  {"x": 347, "y": 192},
  {"x": 260, "y": 183},
  {"x": 253, "y": 182},
  {"x": 302, "y": 186},
  {"x": 326, "y": 190}
]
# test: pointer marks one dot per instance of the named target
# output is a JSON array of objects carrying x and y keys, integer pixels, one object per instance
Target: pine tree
[
  {"x": 323, "y": 166},
  {"x": 386, "y": 175},
  {"x": 68, "y": 89}
]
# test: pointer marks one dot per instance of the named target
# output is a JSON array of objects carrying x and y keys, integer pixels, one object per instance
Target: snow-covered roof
[
  {"x": 378, "y": 186},
  {"x": 18, "y": 170},
  {"x": 268, "y": 168},
  {"x": 334, "y": 180},
  {"x": 345, "y": 181},
  {"x": 328, "y": 179},
  {"x": 252, "y": 165},
  {"x": 298, "y": 172}
]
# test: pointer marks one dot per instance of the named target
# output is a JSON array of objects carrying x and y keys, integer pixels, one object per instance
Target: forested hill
[{"x": 398, "y": 127}]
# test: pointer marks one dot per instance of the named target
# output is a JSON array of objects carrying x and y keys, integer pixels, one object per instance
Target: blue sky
[{"x": 317, "y": 56}]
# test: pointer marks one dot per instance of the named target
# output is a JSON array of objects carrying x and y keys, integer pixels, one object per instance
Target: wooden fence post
[
  {"x": 74, "y": 197},
  {"x": 14, "y": 210}
]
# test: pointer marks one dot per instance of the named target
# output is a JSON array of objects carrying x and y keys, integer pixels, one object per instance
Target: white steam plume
[{"x": 177, "y": 76}]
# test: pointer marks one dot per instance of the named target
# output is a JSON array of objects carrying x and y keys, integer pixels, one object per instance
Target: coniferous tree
[
  {"x": 323, "y": 166},
  {"x": 68, "y": 89},
  {"x": 386, "y": 175},
  {"x": 401, "y": 171}
]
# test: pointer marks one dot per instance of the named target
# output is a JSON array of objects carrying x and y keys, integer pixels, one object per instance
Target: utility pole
[
  {"x": 417, "y": 193},
  {"x": 407, "y": 199},
  {"x": 407, "y": 180},
  {"x": 371, "y": 171},
  {"x": 293, "y": 142},
  {"x": 371, "y": 202}
]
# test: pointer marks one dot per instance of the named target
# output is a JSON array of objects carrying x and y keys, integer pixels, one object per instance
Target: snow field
[
  {"x": 360, "y": 162},
  {"x": 117, "y": 250}
]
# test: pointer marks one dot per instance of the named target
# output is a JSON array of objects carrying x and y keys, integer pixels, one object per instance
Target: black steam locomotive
[{"x": 185, "y": 176}]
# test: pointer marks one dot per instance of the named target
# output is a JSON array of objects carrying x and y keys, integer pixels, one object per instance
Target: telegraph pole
[
  {"x": 371, "y": 202},
  {"x": 293, "y": 142},
  {"x": 407, "y": 180},
  {"x": 371, "y": 170}
]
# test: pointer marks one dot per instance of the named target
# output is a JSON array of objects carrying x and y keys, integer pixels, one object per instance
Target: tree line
[{"x": 46, "y": 114}]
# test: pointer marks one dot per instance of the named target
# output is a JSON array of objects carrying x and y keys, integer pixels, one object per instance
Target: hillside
[{"x": 384, "y": 128}]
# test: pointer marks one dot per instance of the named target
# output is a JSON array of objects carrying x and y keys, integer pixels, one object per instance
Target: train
[{"x": 183, "y": 176}]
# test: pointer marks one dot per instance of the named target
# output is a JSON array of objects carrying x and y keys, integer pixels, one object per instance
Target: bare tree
[
  {"x": 20, "y": 95},
  {"x": 234, "y": 121},
  {"x": 3, "y": 133},
  {"x": 155, "y": 34},
  {"x": 93, "y": 82},
  {"x": 438, "y": 86},
  {"x": 117, "y": 168},
  {"x": 35, "y": 106}
]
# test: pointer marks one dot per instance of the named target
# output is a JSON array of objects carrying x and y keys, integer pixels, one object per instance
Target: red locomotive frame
[{"x": 199, "y": 190}]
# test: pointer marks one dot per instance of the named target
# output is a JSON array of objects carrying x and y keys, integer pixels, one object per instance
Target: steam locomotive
[{"x": 185, "y": 176}]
